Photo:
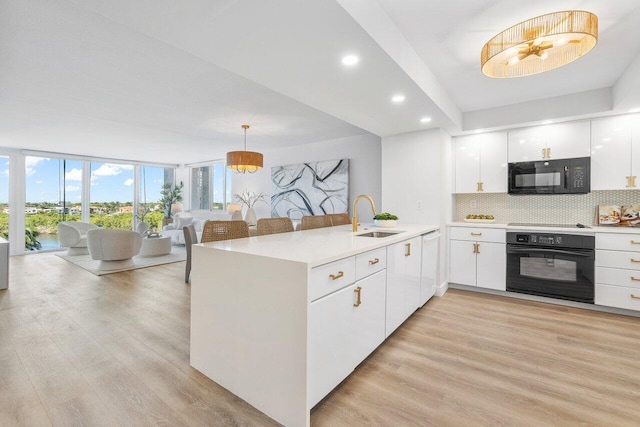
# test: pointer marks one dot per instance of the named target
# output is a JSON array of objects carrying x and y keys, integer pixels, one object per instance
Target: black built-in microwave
[{"x": 562, "y": 176}]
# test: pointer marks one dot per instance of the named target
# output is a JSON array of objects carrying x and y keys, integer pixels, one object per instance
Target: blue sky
[{"x": 110, "y": 182}]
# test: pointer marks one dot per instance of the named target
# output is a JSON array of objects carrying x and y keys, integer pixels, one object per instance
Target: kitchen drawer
[
  {"x": 618, "y": 259},
  {"x": 496, "y": 235},
  {"x": 370, "y": 262},
  {"x": 618, "y": 242},
  {"x": 330, "y": 277},
  {"x": 618, "y": 296},
  {"x": 618, "y": 277}
]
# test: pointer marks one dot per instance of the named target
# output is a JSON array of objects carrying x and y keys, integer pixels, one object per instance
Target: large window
[
  {"x": 4, "y": 197},
  {"x": 151, "y": 181},
  {"x": 53, "y": 194},
  {"x": 210, "y": 187},
  {"x": 112, "y": 195}
]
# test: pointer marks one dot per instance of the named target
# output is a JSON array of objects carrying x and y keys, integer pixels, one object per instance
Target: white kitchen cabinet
[
  {"x": 344, "y": 328},
  {"x": 555, "y": 141},
  {"x": 478, "y": 257},
  {"x": 618, "y": 270},
  {"x": 615, "y": 153},
  {"x": 403, "y": 281},
  {"x": 481, "y": 163}
]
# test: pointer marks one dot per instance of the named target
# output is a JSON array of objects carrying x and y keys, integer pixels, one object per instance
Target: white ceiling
[{"x": 172, "y": 82}]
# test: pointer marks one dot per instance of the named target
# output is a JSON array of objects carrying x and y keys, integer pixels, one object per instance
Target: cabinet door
[
  {"x": 366, "y": 329},
  {"x": 462, "y": 262},
  {"x": 568, "y": 140},
  {"x": 491, "y": 266},
  {"x": 493, "y": 162},
  {"x": 526, "y": 144},
  {"x": 467, "y": 163},
  {"x": 403, "y": 281},
  {"x": 329, "y": 358},
  {"x": 611, "y": 153}
]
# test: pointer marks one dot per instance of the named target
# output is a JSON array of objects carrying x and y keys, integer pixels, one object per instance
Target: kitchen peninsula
[{"x": 280, "y": 320}]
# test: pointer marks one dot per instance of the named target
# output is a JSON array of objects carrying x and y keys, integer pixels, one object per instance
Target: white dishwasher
[{"x": 430, "y": 257}]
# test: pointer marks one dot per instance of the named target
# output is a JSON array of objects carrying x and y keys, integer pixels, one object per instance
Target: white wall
[
  {"x": 363, "y": 152},
  {"x": 417, "y": 181}
]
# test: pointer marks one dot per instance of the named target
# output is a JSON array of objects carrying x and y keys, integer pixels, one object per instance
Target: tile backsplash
[{"x": 543, "y": 209}]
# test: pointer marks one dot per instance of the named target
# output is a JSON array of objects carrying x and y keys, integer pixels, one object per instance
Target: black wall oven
[
  {"x": 563, "y": 176},
  {"x": 551, "y": 265}
]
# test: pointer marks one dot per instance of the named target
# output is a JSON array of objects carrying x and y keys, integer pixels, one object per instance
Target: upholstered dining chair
[
  {"x": 214, "y": 231},
  {"x": 314, "y": 221},
  {"x": 274, "y": 226},
  {"x": 339, "y": 219},
  {"x": 190, "y": 238}
]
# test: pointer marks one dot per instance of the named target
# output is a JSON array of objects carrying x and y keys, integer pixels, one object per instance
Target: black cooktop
[{"x": 519, "y": 224}]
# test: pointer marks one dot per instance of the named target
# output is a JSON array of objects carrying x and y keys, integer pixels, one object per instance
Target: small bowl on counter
[{"x": 385, "y": 223}]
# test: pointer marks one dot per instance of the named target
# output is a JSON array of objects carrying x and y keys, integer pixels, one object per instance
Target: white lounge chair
[{"x": 73, "y": 235}]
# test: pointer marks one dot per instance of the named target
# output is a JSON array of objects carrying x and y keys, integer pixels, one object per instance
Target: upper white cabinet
[
  {"x": 481, "y": 163},
  {"x": 555, "y": 141},
  {"x": 615, "y": 153}
]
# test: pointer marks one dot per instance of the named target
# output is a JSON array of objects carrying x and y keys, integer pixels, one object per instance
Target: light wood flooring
[{"x": 77, "y": 349}]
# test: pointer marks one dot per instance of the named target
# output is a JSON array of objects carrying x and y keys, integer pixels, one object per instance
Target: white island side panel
[{"x": 249, "y": 329}]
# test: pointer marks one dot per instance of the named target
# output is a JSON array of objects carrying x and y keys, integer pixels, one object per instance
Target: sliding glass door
[{"x": 53, "y": 191}]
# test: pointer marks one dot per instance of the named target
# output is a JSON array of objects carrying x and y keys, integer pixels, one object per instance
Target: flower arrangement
[{"x": 249, "y": 198}]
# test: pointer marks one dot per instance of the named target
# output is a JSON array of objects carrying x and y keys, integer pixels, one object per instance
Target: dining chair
[
  {"x": 214, "y": 231},
  {"x": 274, "y": 226},
  {"x": 190, "y": 238},
  {"x": 339, "y": 219},
  {"x": 314, "y": 221}
]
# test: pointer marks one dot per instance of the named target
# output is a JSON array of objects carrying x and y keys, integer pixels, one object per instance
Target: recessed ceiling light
[
  {"x": 397, "y": 98},
  {"x": 350, "y": 60},
  {"x": 547, "y": 122},
  {"x": 425, "y": 120},
  {"x": 635, "y": 110}
]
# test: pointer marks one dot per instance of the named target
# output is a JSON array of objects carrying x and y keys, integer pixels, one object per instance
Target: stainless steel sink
[{"x": 379, "y": 234}]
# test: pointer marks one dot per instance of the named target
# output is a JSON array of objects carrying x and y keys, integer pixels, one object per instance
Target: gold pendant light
[
  {"x": 540, "y": 44},
  {"x": 244, "y": 161}
]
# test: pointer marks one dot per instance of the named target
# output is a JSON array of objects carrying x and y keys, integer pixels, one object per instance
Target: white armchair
[
  {"x": 73, "y": 235},
  {"x": 114, "y": 248}
]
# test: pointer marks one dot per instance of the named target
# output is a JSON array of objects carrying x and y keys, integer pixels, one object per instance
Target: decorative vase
[{"x": 250, "y": 217}]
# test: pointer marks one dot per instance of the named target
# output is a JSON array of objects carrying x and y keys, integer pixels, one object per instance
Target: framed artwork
[{"x": 314, "y": 188}]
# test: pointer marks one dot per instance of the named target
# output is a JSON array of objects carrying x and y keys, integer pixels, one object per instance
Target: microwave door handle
[
  {"x": 566, "y": 178},
  {"x": 529, "y": 249}
]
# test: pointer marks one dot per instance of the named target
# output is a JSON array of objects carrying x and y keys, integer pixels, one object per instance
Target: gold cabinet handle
[
  {"x": 374, "y": 261},
  {"x": 631, "y": 182},
  {"x": 480, "y": 184},
  {"x": 476, "y": 248},
  {"x": 544, "y": 153},
  {"x": 407, "y": 247},
  {"x": 358, "y": 299},
  {"x": 635, "y": 279},
  {"x": 634, "y": 296},
  {"x": 549, "y": 153},
  {"x": 633, "y": 242},
  {"x": 337, "y": 276},
  {"x": 635, "y": 260},
  {"x": 476, "y": 234}
]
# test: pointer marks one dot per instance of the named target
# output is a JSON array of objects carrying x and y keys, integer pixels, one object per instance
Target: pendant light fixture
[
  {"x": 540, "y": 44},
  {"x": 244, "y": 161}
]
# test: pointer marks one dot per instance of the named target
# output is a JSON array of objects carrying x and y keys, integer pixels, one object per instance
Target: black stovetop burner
[{"x": 518, "y": 224}]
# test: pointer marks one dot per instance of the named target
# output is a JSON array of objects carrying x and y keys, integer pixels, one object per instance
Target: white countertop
[
  {"x": 593, "y": 229},
  {"x": 318, "y": 246}
]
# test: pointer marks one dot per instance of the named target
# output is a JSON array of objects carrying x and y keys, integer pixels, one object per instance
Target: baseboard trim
[{"x": 442, "y": 289}]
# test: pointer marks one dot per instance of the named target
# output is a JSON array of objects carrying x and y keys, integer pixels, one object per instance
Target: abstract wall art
[{"x": 315, "y": 188}]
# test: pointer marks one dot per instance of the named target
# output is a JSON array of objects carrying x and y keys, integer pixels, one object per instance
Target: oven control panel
[{"x": 546, "y": 239}]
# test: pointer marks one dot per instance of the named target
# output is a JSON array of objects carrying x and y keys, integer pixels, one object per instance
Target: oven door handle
[{"x": 527, "y": 250}]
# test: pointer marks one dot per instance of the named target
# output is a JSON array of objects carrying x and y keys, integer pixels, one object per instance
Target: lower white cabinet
[
  {"x": 344, "y": 328},
  {"x": 478, "y": 257},
  {"x": 618, "y": 270},
  {"x": 404, "y": 260}
]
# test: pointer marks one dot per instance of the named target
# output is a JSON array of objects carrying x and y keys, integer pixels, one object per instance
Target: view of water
[{"x": 49, "y": 241}]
